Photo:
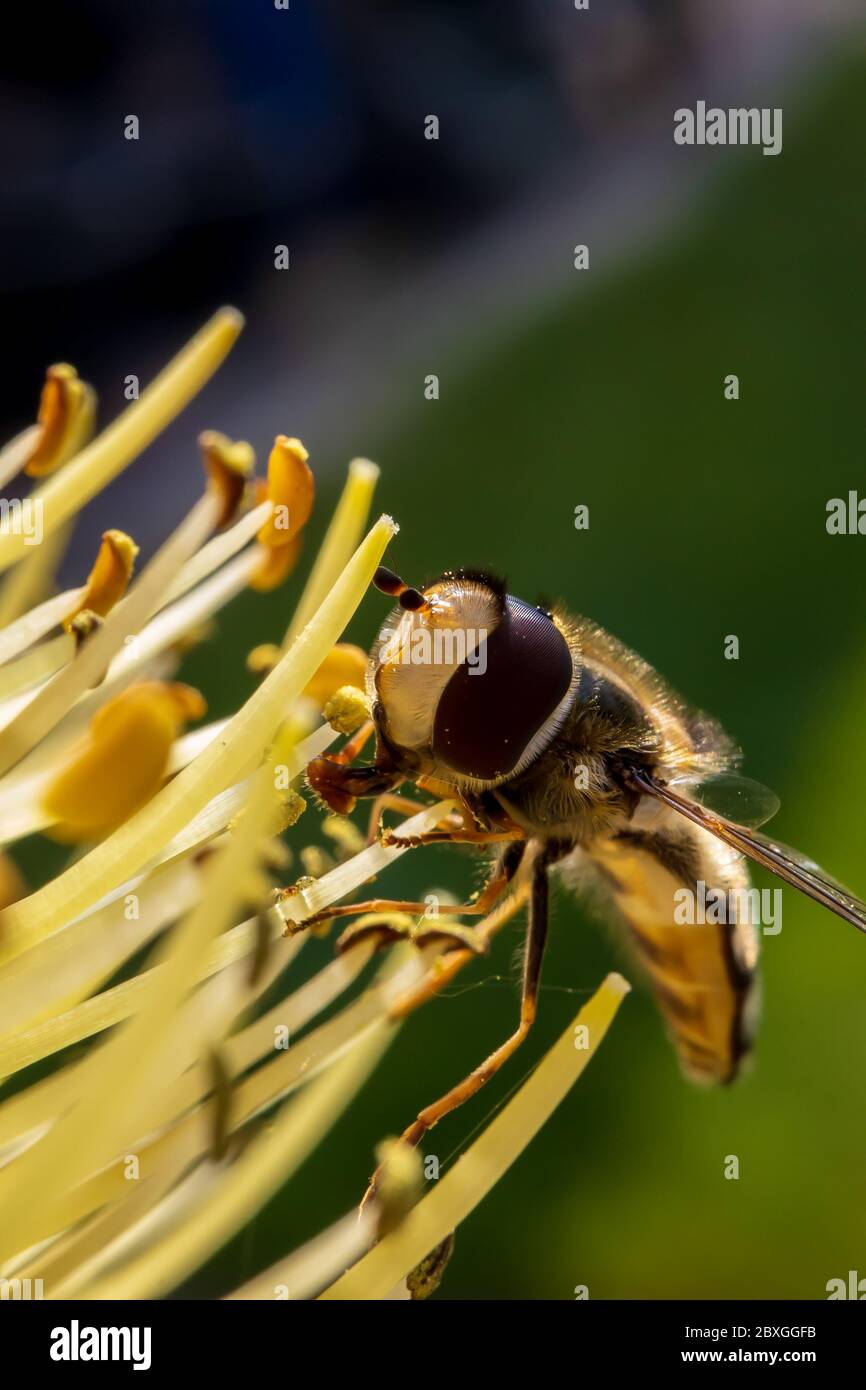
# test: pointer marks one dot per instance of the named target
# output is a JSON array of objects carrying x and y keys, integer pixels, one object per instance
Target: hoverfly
[{"x": 568, "y": 752}]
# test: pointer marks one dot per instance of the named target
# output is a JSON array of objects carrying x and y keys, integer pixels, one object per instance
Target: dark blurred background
[{"x": 305, "y": 127}]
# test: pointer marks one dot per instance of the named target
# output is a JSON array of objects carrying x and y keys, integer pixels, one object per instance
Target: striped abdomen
[{"x": 684, "y": 899}]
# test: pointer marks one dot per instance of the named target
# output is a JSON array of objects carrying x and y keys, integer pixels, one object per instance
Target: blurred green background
[{"x": 707, "y": 518}]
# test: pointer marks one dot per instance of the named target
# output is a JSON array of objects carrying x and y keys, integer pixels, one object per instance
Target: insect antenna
[{"x": 387, "y": 582}]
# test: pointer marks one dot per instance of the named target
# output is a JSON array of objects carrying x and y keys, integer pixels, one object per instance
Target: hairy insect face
[{"x": 474, "y": 683}]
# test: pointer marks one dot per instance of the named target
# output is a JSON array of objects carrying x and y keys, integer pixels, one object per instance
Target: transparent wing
[
  {"x": 730, "y": 796},
  {"x": 788, "y": 864}
]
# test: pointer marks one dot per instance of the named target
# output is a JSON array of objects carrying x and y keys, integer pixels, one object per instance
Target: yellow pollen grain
[{"x": 346, "y": 710}]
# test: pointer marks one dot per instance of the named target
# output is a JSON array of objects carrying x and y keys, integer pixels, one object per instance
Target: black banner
[{"x": 227, "y": 1338}]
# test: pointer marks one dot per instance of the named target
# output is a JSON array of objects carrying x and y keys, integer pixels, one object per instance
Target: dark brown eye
[{"x": 495, "y": 703}]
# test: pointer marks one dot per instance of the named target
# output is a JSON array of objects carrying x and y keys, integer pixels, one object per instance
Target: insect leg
[
  {"x": 536, "y": 938},
  {"x": 445, "y": 968},
  {"x": 490, "y": 893}
]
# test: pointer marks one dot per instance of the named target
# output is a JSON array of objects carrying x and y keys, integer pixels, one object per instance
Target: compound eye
[{"x": 494, "y": 705}]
